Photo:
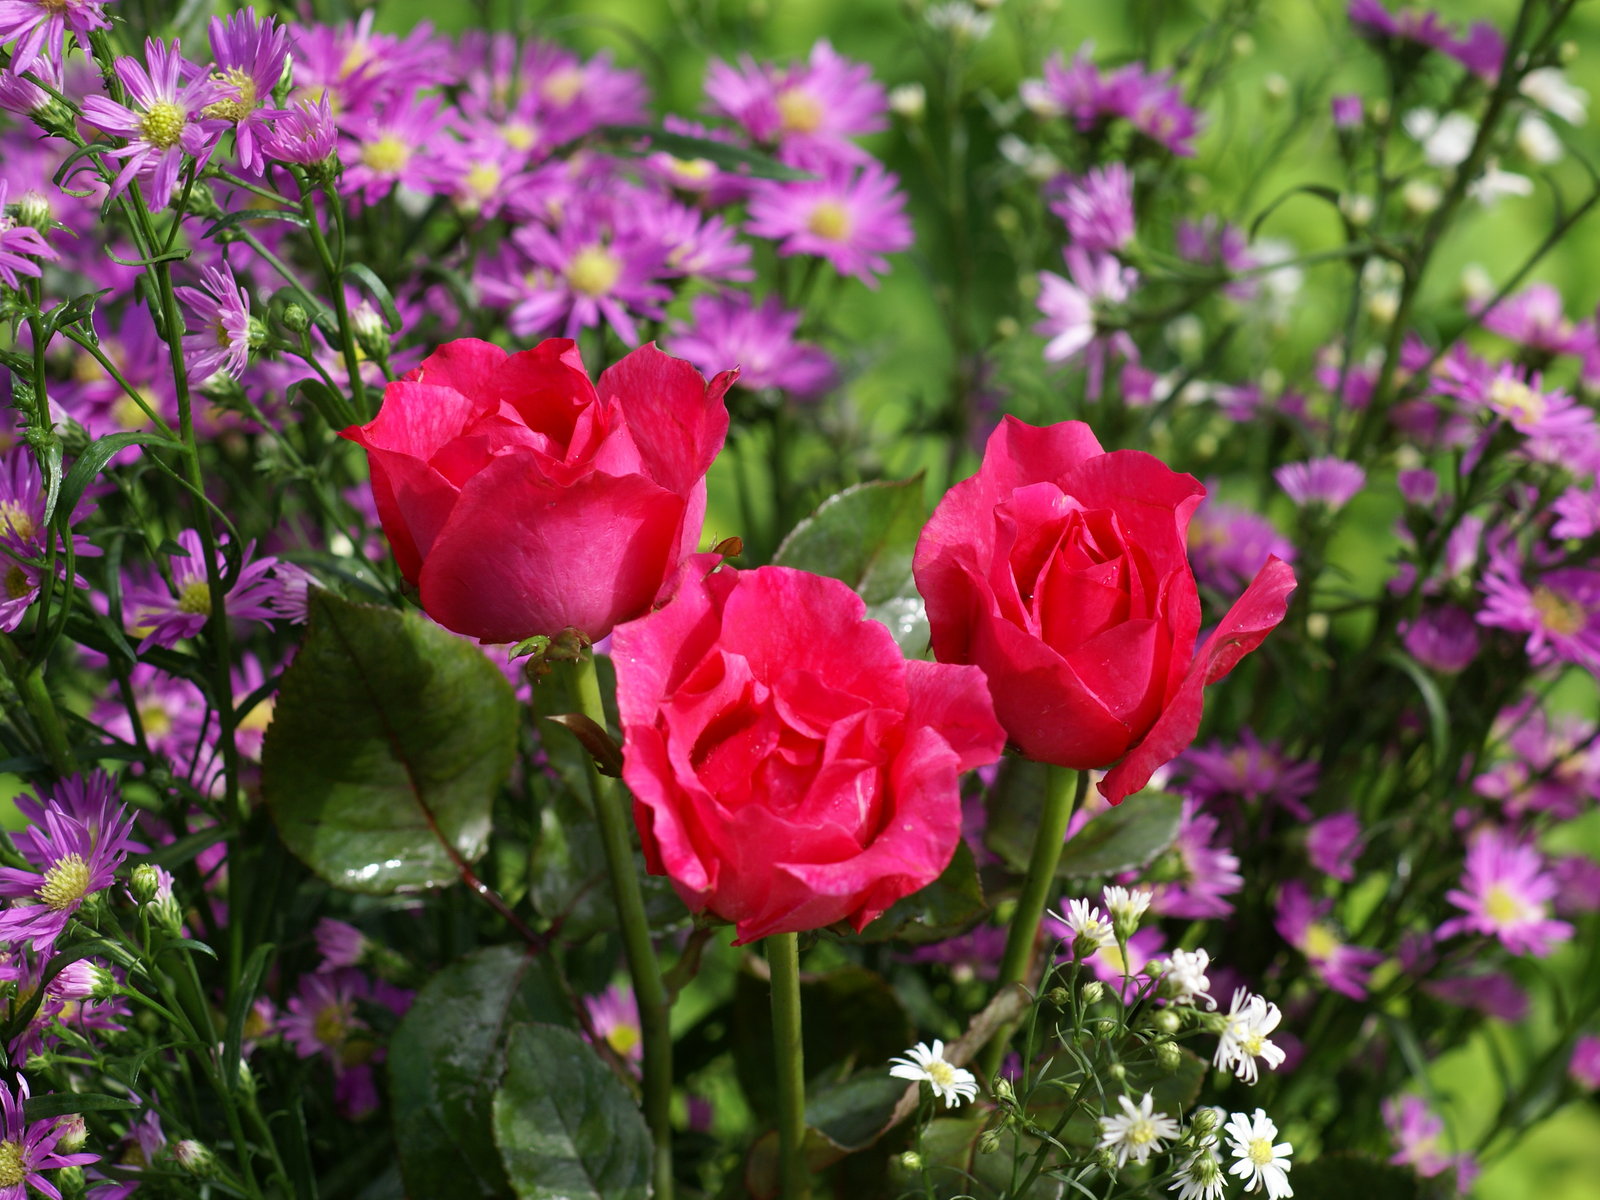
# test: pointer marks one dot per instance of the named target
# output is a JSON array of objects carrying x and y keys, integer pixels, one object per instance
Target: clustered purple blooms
[
  {"x": 1480, "y": 48},
  {"x": 1149, "y": 102}
]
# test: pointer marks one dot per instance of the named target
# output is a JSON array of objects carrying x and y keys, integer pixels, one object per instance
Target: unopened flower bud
[
  {"x": 194, "y": 1158},
  {"x": 33, "y": 209},
  {"x": 909, "y": 100},
  {"x": 1205, "y": 1121},
  {"x": 1421, "y": 197},
  {"x": 144, "y": 883},
  {"x": 1006, "y": 328},
  {"x": 1003, "y": 1091},
  {"x": 1059, "y": 996},
  {"x": 296, "y": 319},
  {"x": 1168, "y": 1057},
  {"x": 1166, "y": 1020},
  {"x": 911, "y": 1160},
  {"x": 1093, "y": 991},
  {"x": 74, "y": 1133},
  {"x": 1117, "y": 1071},
  {"x": 1567, "y": 51},
  {"x": 1276, "y": 88},
  {"x": 988, "y": 1141},
  {"x": 258, "y": 333},
  {"x": 1358, "y": 208},
  {"x": 1105, "y": 1159},
  {"x": 70, "y": 1180},
  {"x": 103, "y": 984}
]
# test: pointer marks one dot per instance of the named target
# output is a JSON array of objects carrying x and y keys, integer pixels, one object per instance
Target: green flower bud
[
  {"x": 1059, "y": 996},
  {"x": 1166, "y": 1021},
  {"x": 1168, "y": 1057},
  {"x": 988, "y": 1141},
  {"x": 296, "y": 319},
  {"x": 1093, "y": 992},
  {"x": 194, "y": 1158},
  {"x": 145, "y": 883}
]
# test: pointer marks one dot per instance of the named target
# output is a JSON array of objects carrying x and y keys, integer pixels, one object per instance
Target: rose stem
[
  {"x": 654, "y": 1008},
  {"x": 783, "y": 957},
  {"x": 1064, "y": 791}
]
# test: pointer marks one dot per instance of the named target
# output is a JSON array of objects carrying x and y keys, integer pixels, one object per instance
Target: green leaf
[
  {"x": 950, "y": 905},
  {"x": 566, "y": 1127},
  {"x": 57, "y": 1104},
  {"x": 1125, "y": 837},
  {"x": 92, "y": 461},
  {"x": 1339, "y": 1176},
  {"x": 730, "y": 158},
  {"x": 446, "y": 1059},
  {"x": 388, "y": 742},
  {"x": 852, "y": 1114},
  {"x": 866, "y": 536}
]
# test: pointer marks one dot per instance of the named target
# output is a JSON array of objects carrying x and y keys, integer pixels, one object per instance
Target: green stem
[
  {"x": 783, "y": 957},
  {"x": 41, "y": 706},
  {"x": 654, "y": 1008},
  {"x": 1064, "y": 791}
]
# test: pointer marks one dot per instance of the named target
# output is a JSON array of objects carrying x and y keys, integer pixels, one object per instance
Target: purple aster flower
[
  {"x": 322, "y": 1020},
  {"x": 166, "y": 615},
  {"x": 1150, "y": 102},
  {"x": 304, "y": 134},
  {"x": 1303, "y": 923},
  {"x": 71, "y": 862},
  {"x": 614, "y": 1013},
  {"x": 1348, "y": 111},
  {"x": 1419, "y": 26},
  {"x": 1535, "y": 318},
  {"x": 167, "y": 124},
  {"x": 852, "y": 218},
  {"x": 250, "y": 54},
  {"x": 809, "y": 111},
  {"x": 1442, "y": 638},
  {"x": 359, "y": 69},
  {"x": 1481, "y": 51},
  {"x": 695, "y": 245},
  {"x": 20, "y": 246},
  {"x": 1213, "y": 242},
  {"x": 1577, "y": 512},
  {"x": 223, "y": 341},
  {"x": 1416, "y": 1132},
  {"x": 1559, "y": 610},
  {"x": 1333, "y": 843},
  {"x": 1505, "y": 893},
  {"x": 92, "y": 800},
  {"x": 1228, "y": 544},
  {"x": 1069, "y": 305},
  {"x": 340, "y": 944},
  {"x": 974, "y": 955},
  {"x": 1330, "y": 482},
  {"x": 729, "y": 330},
  {"x": 29, "y": 1147},
  {"x": 169, "y": 709},
  {"x": 1207, "y": 871},
  {"x": 1249, "y": 770},
  {"x": 1577, "y": 879},
  {"x": 395, "y": 145},
  {"x": 1097, "y": 207},
  {"x": 1559, "y": 430},
  {"x": 1492, "y": 993},
  {"x": 41, "y": 27},
  {"x": 1419, "y": 486},
  {"x": 1584, "y": 1065},
  {"x": 1554, "y": 765}
]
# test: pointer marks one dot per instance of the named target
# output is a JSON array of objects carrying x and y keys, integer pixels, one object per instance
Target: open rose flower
[
  {"x": 1062, "y": 571},
  {"x": 521, "y": 499},
  {"x": 790, "y": 768}
]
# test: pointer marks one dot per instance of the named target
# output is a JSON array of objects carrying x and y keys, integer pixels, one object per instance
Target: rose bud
[
  {"x": 1063, "y": 572},
  {"x": 521, "y": 499},
  {"x": 790, "y": 768}
]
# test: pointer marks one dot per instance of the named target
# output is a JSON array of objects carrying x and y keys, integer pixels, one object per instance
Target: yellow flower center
[
  {"x": 483, "y": 180},
  {"x": 1558, "y": 613},
  {"x": 1253, "y": 1044},
  {"x": 194, "y": 598},
  {"x": 14, "y": 521},
  {"x": 17, "y": 585},
  {"x": 830, "y": 220},
  {"x": 799, "y": 111},
  {"x": 1516, "y": 401},
  {"x": 257, "y": 719},
  {"x": 12, "y": 1172},
  {"x": 65, "y": 883},
  {"x": 1141, "y": 1133},
  {"x": 156, "y": 720},
  {"x": 692, "y": 168},
  {"x": 623, "y": 1039},
  {"x": 1503, "y": 907},
  {"x": 162, "y": 124},
  {"x": 563, "y": 86},
  {"x": 387, "y": 156},
  {"x": 1320, "y": 941},
  {"x": 329, "y": 1027},
  {"x": 518, "y": 135},
  {"x": 594, "y": 271},
  {"x": 1260, "y": 1151},
  {"x": 127, "y": 414},
  {"x": 940, "y": 1073},
  {"x": 242, "y": 105}
]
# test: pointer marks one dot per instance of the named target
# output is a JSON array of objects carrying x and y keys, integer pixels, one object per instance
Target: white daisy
[
  {"x": 1089, "y": 928},
  {"x": 1446, "y": 140},
  {"x": 1185, "y": 980},
  {"x": 1256, "y": 1160},
  {"x": 1200, "y": 1178},
  {"x": 1244, "y": 1036},
  {"x": 1548, "y": 88},
  {"x": 922, "y": 1063},
  {"x": 1136, "y": 1133},
  {"x": 1126, "y": 905}
]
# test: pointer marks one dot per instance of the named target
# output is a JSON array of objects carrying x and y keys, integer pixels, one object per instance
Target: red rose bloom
[
  {"x": 521, "y": 499},
  {"x": 790, "y": 768},
  {"x": 1063, "y": 572}
]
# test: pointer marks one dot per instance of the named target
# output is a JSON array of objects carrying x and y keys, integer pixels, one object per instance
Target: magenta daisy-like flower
[
  {"x": 250, "y": 54},
  {"x": 1208, "y": 871},
  {"x": 71, "y": 861},
  {"x": 1505, "y": 893},
  {"x": 1536, "y": 318},
  {"x": 394, "y": 146},
  {"x": 164, "y": 616},
  {"x": 1443, "y": 638},
  {"x": 222, "y": 343},
  {"x": 1070, "y": 304},
  {"x": 321, "y": 1017},
  {"x": 1330, "y": 482},
  {"x": 810, "y": 111},
  {"x": 1249, "y": 770},
  {"x": 1333, "y": 843},
  {"x": 729, "y": 330},
  {"x": 614, "y": 1013},
  {"x": 1097, "y": 208},
  {"x": 304, "y": 134},
  {"x": 29, "y": 1147},
  {"x": 20, "y": 246},
  {"x": 1304, "y": 924},
  {"x": 1559, "y": 610},
  {"x": 166, "y": 123},
  {"x": 852, "y": 218},
  {"x": 41, "y": 28}
]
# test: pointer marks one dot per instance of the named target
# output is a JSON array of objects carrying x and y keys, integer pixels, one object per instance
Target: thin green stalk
[
  {"x": 1064, "y": 791},
  {"x": 654, "y": 1009},
  {"x": 41, "y": 706},
  {"x": 783, "y": 957}
]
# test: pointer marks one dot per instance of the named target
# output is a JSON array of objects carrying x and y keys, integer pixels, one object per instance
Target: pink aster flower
[
  {"x": 322, "y": 1021},
  {"x": 852, "y": 218},
  {"x": 1553, "y": 763},
  {"x": 1208, "y": 871},
  {"x": 167, "y": 123},
  {"x": 1070, "y": 305},
  {"x": 70, "y": 861},
  {"x": 1417, "y": 1132},
  {"x": 1330, "y": 482},
  {"x": 250, "y": 54},
  {"x": 614, "y": 1013},
  {"x": 1577, "y": 513},
  {"x": 1559, "y": 610},
  {"x": 395, "y": 145},
  {"x": 1149, "y": 102},
  {"x": 1443, "y": 638},
  {"x": 304, "y": 134},
  {"x": 166, "y": 615},
  {"x": 1097, "y": 207},
  {"x": 1228, "y": 544},
  {"x": 695, "y": 245},
  {"x": 1420, "y": 26},
  {"x": 1559, "y": 430},
  {"x": 809, "y": 111},
  {"x": 1535, "y": 318},
  {"x": 1505, "y": 893},
  {"x": 729, "y": 330},
  {"x": 41, "y": 28},
  {"x": 1249, "y": 770},
  {"x": 20, "y": 246},
  {"x": 223, "y": 341},
  {"x": 339, "y": 943},
  {"x": 1584, "y": 1066},
  {"x": 358, "y": 69},
  {"x": 1333, "y": 843},
  {"x": 29, "y": 1147},
  {"x": 1304, "y": 924}
]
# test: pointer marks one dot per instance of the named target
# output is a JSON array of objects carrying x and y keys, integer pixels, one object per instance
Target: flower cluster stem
[
  {"x": 1064, "y": 791},
  {"x": 783, "y": 958},
  {"x": 654, "y": 1008}
]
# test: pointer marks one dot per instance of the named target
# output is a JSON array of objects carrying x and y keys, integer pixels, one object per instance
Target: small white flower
[
  {"x": 963, "y": 22},
  {"x": 1244, "y": 1037},
  {"x": 926, "y": 1064},
  {"x": 1185, "y": 978},
  {"x": 1256, "y": 1160},
  {"x": 1445, "y": 140},
  {"x": 1136, "y": 1133},
  {"x": 1538, "y": 142},
  {"x": 1201, "y": 1178},
  {"x": 1548, "y": 88},
  {"x": 1087, "y": 925},
  {"x": 1126, "y": 905},
  {"x": 1494, "y": 183}
]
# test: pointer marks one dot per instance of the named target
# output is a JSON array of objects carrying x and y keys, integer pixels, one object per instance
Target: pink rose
[
  {"x": 790, "y": 768},
  {"x": 1063, "y": 572},
  {"x": 520, "y": 499}
]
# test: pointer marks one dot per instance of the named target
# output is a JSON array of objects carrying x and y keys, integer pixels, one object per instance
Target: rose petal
[{"x": 678, "y": 420}]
